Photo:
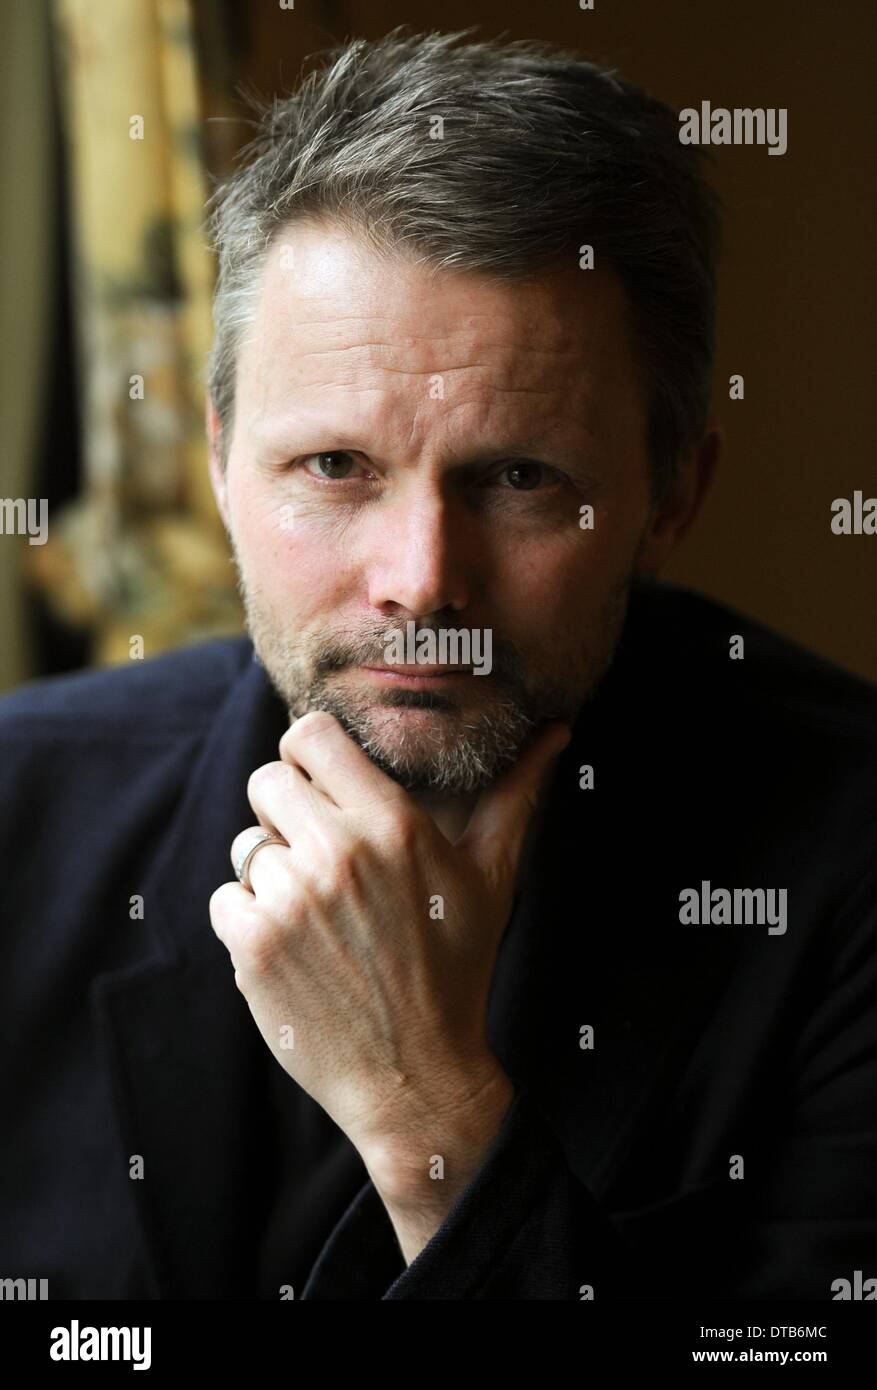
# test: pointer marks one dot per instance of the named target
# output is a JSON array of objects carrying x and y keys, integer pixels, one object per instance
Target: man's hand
[{"x": 366, "y": 950}]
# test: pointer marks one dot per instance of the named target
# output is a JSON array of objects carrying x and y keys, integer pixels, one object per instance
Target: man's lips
[
  {"x": 423, "y": 669},
  {"x": 412, "y": 675}
]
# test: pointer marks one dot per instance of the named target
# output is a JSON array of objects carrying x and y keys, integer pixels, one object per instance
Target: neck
[{"x": 450, "y": 813}]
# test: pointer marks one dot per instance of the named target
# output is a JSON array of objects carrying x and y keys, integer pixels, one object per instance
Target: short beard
[{"x": 463, "y": 755}]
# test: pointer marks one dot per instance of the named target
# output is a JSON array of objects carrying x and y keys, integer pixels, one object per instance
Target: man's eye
[
  {"x": 329, "y": 464},
  {"x": 337, "y": 465},
  {"x": 526, "y": 476}
]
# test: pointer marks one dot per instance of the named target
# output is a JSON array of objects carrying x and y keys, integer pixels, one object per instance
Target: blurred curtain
[
  {"x": 141, "y": 553},
  {"x": 27, "y": 248}
]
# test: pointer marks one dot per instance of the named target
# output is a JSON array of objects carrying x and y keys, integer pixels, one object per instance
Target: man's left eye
[{"x": 524, "y": 475}]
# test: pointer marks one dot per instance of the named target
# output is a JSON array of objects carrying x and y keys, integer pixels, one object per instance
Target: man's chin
[
  {"x": 451, "y": 751},
  {"x": 420, "y": 778},
  {"x": 452, "y": 744},
  {"x": 431, "y": 750}
]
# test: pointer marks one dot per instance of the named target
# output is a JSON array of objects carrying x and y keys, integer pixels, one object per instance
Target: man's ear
[
  {"x": 217, "y": 471},
  {"x": 678, "y": 509}
]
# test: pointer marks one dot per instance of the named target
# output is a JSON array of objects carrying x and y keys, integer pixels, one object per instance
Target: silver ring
[{"x": 241, "y": 867}]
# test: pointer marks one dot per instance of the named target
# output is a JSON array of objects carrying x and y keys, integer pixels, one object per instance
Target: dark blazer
[{"x": 125, "y": 1036}]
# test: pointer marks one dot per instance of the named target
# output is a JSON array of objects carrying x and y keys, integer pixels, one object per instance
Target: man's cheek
[
  {"x": 266, "y": 529},
  {"x": 298, "y": 572}
]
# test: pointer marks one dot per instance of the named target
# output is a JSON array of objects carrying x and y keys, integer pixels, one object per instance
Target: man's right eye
[{"x": 327, "y": 463}]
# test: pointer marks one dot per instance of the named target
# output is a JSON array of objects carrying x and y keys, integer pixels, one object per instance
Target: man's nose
[{"x": 420, "y": 561}]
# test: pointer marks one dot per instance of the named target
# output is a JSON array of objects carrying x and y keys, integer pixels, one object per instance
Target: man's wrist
[{"x": 428, "y": 1161}]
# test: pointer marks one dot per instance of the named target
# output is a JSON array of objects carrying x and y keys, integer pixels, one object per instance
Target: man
[{"x": 477, "y": 1014}]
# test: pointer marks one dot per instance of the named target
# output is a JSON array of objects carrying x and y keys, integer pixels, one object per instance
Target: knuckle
[
  {"x": 310, "y": 725},
  {"x": 218, "y": 899},
  {"x": 240, "y": 843},
  {"x": 345, "y": 867},
  {"x": 248, "y": 918},
  {"x": 260, "y": 947},
  {"x": 221, "y": 907},
  {"x": 280, "y": 899},
  {"x": 265, "y": 776}
]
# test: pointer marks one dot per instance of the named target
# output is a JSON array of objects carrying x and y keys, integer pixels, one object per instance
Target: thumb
[{"x": 495, "y": 833}]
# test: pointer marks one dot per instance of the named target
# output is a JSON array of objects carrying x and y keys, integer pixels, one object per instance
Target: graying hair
[{"x": 541, "y": 153}]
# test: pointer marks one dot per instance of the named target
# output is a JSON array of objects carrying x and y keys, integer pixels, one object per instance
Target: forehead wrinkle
[
  {"x": 290, "y": 363},
  {"x": 450, "y": 431},
  {"x": 507, "y": 375},
  {"x": 292, "y": 352},
  {"x": 465, "y": 383},
  {"x": 556, "y": 415},
  {"x": 523, "y": 330},
  {"x": 426, "y": 357}
]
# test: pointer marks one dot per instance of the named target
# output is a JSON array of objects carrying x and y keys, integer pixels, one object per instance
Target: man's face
[{"x": 466, "y": 425}]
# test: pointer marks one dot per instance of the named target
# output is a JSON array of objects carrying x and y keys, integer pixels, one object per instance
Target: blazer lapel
[{"x": 187, "y": 1065}]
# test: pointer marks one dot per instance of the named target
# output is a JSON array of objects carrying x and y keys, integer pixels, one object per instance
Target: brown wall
[{"x": 796, "y": 309}]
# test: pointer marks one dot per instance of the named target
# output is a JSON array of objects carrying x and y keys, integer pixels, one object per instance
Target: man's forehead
[
  {"x": 342, "y": 330},
  {"x": 323, "y": 290}
]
